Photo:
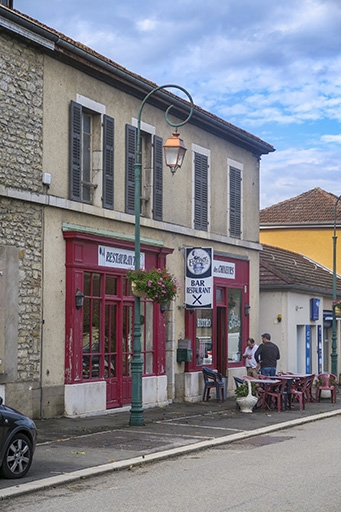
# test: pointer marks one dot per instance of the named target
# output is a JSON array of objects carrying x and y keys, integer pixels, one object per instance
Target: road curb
[{"x": 65, "y": 478}]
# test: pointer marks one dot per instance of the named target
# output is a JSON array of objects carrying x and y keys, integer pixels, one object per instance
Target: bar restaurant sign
[{"x": 199, "y": 278}]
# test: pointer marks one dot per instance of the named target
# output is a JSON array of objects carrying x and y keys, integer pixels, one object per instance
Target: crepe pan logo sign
[{"x": 199, "y": 278}]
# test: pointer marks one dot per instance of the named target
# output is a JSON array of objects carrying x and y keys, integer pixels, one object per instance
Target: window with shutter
[
  {"x": 157, "y": 178},
  {"x": 151, "y": 173},
  {"x": 131, "y": 136},
  {"x": 108, "y": 162},
  {"x": 200, "y": 191},
  {"x": 235, "y": 202},
  {"x": 75, "y": 151},
  {"x": 91, "y": 161}
]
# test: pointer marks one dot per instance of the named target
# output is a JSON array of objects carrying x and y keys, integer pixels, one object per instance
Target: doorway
[{"x": 118, "y": 335}]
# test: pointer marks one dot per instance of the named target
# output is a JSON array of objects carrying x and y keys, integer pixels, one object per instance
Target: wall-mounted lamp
[
  {"x": 79, "y": 299},
  {"x": 247, "y": 309},
  {"x": 279, "y": 318}
]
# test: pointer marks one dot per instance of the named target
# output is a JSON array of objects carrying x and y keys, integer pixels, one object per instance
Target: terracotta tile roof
[
  {"x": 313, "y": 207},
  {"x": 282, "y": 269}
]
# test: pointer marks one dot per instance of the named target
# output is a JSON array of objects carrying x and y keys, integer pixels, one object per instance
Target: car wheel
[{"x": 18, "y": 457}]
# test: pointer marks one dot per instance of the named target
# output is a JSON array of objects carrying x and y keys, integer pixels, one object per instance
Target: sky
[{"x": 270, "y": 67}]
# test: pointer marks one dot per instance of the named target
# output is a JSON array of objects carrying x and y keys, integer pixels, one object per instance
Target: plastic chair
[
  {"x": 212, "y": 380},
  {"x": 238, "y": 381},
  {"x": 297, "y": 394},
  {"x": 274, "y": 393},
  {"x": 326, "y": 382},
  {"x": 306, "y": 387}
]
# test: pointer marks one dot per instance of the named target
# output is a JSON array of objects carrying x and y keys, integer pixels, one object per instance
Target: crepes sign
[{"x": 199, "y": 278}]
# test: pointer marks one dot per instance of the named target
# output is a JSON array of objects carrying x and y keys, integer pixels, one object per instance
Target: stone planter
[{"x": 247, "y": 403}]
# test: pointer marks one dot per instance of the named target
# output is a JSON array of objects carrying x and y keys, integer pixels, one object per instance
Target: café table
[
  {"x": 263, "y": 389},
  {"x": 286, "y": 393}
]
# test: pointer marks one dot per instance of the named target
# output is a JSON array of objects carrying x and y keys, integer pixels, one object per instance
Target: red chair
[
  {"x": 274, "y": 395},
  {"x": 326, "y": 382},
  {"x": 297, "y": 394},
  {"x": 307, "y": 387}
]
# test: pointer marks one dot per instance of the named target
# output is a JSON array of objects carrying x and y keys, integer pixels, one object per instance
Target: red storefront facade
[
  {"x": 99, "y": 333},
  {"x": 218, "y": 335}
]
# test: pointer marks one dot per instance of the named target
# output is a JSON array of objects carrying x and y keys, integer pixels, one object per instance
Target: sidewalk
[{"x": 69, "y": 449}]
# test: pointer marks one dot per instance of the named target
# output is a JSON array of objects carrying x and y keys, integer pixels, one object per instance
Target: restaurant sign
[
  {"x": 224, "y": 269},
  {"x": 117, "y": 258},
  {"x": 199, "y": 278}
]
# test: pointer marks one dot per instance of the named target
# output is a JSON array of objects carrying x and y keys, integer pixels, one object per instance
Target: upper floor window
[
  {"x": 235, "y": 201},
  {"x": 151, "y": 195},
  {"x": 201, "y": 189},
  {"x": 91, "y": 155}
]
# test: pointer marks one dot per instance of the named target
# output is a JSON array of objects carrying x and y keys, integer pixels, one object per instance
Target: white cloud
[
  {"x": 331, "y": 138},
  {"x": 270, "y": 67},
  {"x": 147, "y": 25}
]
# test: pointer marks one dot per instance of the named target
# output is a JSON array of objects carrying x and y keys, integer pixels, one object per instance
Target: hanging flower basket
[
  {"x": 157, "y": 284},
  {"x": 135, "y": 292}
]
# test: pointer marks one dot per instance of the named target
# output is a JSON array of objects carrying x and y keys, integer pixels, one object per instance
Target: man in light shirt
[{"x": 249, "y": 356}]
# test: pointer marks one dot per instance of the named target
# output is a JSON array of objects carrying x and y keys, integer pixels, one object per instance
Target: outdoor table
[
  {"x": 290, "y": 380},
  {"x": 276, "y": 379},
  {"x": 301, "y": 378},
  {"x": 264, "y": 382}
]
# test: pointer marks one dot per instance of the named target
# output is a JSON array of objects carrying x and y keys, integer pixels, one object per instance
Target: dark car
[{"x": 18, "y": 436}]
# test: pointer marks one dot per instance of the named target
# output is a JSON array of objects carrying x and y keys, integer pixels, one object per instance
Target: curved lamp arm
[{"x": 168, "y": 86}]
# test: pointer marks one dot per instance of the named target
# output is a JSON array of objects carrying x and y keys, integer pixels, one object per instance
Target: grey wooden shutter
[
  {"x": 235, "y": 202},
  {"x": 157, "y": 178},
  {"x": 200, "y": 191},
  {"x": 75, "y": 151},
  {"x": 108, "y": 162},
  {"x": 131, "y": 135}
]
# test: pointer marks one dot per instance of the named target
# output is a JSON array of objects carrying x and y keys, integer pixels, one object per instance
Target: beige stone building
[{"x": 68, "y": 119}]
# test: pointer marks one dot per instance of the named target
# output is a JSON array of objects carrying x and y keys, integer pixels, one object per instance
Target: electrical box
[
  {"x": 184, "y": 351},
  {"x": 184, "y": 355}
]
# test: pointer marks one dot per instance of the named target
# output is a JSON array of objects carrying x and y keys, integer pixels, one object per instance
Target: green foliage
[
  {"x": 156, "y": 284},
  {"x": 243, "y": 390}
]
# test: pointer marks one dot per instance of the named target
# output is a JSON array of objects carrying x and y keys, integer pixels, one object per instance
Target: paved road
[
  {"x": 70, "y": 449},
  {"x": 288, "y": 470}
]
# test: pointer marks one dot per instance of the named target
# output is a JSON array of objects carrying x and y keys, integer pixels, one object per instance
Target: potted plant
[
  {"x": 246, "y": 396},
  {"x": 156, "y": 284},
  {"x": 337, "y": 307}
]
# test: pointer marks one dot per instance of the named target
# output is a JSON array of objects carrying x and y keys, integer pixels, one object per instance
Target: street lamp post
[
  {"x": 333, "y": 355},
  {"x": 174, "y": 152}
]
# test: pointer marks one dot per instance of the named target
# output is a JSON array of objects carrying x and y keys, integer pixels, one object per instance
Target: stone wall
[
  {"x": 21, "y": 227},
  {"x": 21, "y": 115}
]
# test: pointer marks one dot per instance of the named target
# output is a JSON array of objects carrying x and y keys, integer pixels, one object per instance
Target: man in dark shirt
[{"x": 267, "y": 356}]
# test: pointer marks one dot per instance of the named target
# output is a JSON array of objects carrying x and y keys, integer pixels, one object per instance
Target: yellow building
[{"x": 303, "y": 224}]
